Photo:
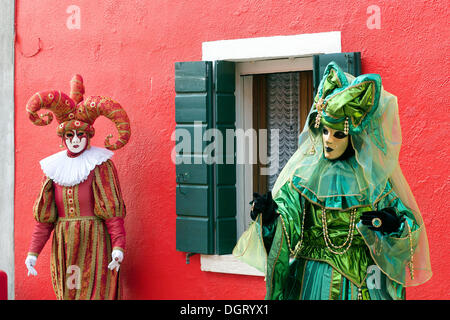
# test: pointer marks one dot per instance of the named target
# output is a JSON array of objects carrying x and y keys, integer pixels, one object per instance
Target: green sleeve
[
  {"x": 407, "y": 217},
  {"x": 290, "y": 209}
]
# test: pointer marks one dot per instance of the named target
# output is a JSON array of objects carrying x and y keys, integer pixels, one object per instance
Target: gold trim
[
  {"x": 327, "y": 208},
  {"x": 98, "y": 180},
  {"x": 364, "y": 174},
  {"x": 40, "y": 212},
  {"x": 42, "y": 101},
  {"x": 109, "y": 273},
  {"x": 93, "y": 260},
  {"x": 411, "y": 261},
  {"x": 384, "y": 196},
  {"x": 121, "y": 140},
  {"x": 76, "y": 202},
  {"x": 69, "y": 256},
  {"x": 337, "y": 77},
  {"x": 59, "y": 97},
  {"x": 65, "y": 202},
  {"x": 351, "y": 291},
  {"x": 61, "y": 259},
  {"x": 372, "y": 82},
  {"x": 338, "y": 195},
  {"x": 75, "y": 80},
  {"x": 117, "y": 206},
  {"x": 370, "y": 251},
  {"x": 86, "y": 111},
  {"x": 273, "y": 266},
  {"x": 99, "y": 257},
  {"x": 62, "y": 219},
  {"x": 303, "y": 279},
  {"x": 330, "y": 294},
  {"x": 248, "y": 242},
  {"x": 32, "y": 112},
  {"x": 81, "y": 257},
  {"x": 329, "y": 115},
  {"x": 112, "y": 112},
  {"x": 392, "y": 200}
]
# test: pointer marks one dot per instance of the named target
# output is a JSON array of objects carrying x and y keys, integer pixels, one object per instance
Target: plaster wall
[
  {"x": 127, "y": 50},
  {"x": 7, "y": 142}
]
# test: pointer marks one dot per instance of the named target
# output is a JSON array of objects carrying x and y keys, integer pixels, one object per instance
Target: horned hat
[{"x": 74, "y": 113}]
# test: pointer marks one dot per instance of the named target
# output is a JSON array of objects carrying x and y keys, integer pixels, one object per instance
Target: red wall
[{"x": 127, "y": 50}]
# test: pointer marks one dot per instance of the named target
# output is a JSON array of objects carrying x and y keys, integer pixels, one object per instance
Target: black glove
[
  {"x": 384, "y": 220},
  {"x": 264, "y": 205}
]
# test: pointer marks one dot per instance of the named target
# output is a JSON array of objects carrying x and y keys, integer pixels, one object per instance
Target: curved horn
[
  {"x": 95, "y": 106},
  {"x": 60, "y": 104},
  {"x": 76, "y": 88}
]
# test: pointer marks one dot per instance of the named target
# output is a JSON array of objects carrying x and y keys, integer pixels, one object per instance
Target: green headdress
[{"x": 346, "y": 106}]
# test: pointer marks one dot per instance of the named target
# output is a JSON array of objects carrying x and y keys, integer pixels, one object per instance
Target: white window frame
[{"x": 257, "y": 56}]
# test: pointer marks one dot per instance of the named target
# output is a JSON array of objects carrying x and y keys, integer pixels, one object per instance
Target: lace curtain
[{"x": 282, "y": 114}]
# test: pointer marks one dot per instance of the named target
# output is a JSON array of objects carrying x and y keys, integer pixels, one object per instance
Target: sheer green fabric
[{"x": 250, "y": 246}]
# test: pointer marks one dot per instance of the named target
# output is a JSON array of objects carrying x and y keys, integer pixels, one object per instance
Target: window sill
[{"x": 227, "y": 264}]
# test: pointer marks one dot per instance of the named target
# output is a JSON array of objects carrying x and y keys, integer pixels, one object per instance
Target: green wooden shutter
[
  {"x": 194, "y": 192},
  {"x": 225, "y": 182},
  {"x": 206, "y": 192},
  {"x": 349, "y": 62}
]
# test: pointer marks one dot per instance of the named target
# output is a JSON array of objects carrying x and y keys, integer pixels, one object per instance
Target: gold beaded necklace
[
  {"x": 411, "y": 262},
  {"x": 299, "y": 244},
  {"x": 349, "y": 240}
]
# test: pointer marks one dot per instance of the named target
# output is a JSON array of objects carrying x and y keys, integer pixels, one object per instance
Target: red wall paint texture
[{"x": 127, "y": 50}]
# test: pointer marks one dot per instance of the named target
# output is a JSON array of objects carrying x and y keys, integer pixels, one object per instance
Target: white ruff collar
[{"x": 67, "y": 171}]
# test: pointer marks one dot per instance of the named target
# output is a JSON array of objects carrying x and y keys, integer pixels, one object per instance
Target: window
[
  {"x": 271, "y": 94},
  {"x": 255, "y": 62},
  {"x": 265, "y": 90}
]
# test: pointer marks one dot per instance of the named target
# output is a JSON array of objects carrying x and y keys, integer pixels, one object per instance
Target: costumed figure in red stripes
[{"x": 80, "y": 198}]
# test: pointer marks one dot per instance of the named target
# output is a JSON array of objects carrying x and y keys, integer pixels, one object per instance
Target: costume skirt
[
  {"x": 316, "y": 280},
  {"x": 81, "y": 252}
]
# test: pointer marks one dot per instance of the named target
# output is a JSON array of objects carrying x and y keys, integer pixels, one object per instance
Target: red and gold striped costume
[
  {"x": 88, "y": 223},
  {"x": 80, "y": 198}
]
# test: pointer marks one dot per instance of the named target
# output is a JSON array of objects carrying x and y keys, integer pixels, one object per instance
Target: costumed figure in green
[{"x": 341, "y": 222}]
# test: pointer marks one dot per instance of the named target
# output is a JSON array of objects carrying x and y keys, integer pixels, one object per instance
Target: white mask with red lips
[{"x": 76, "y": 142}]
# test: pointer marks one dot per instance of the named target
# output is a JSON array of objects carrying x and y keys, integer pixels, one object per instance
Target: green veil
[{"x": 367, "y": 112}]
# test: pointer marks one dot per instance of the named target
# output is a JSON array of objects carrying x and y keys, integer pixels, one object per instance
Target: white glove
[
  {"x": 117, "y": 258},
  {"x": 30, "y": 262}
]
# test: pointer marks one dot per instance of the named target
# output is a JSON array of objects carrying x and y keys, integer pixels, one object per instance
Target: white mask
[
  {"x": 76, "y": 142},
  {"x": 335, "y": 142}
]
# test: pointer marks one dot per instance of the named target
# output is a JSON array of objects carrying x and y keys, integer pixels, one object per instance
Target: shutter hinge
[{"x": 188, "y": 257}]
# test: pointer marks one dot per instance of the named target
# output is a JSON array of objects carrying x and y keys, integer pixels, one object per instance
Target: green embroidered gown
[
  {"x": 317, "y": 248},
  {"x": 319, "y": 270}
]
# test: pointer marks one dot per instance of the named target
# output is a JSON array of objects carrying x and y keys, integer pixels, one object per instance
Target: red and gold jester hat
[{"x": 74, "y": 113}]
